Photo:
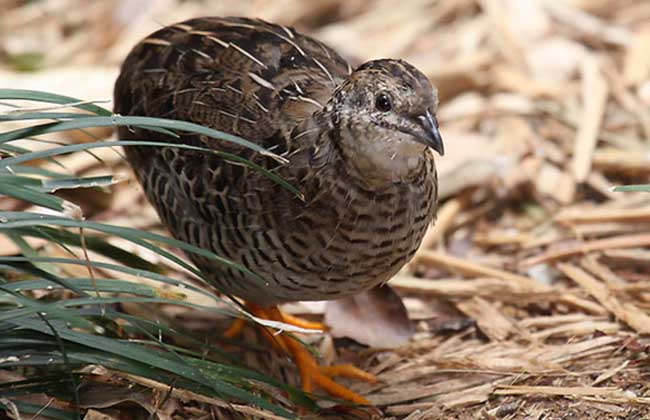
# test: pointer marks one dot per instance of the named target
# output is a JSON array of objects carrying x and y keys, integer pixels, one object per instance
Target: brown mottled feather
[{"x": 295, "y": 96}]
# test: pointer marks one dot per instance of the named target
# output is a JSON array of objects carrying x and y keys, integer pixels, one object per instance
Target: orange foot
[{"x": 310, "y": 371}]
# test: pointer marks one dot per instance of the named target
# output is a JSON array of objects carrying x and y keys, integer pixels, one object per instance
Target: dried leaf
[
  {"x": 376, "y": 318},
  {"x": 98, "y": 415},
  {"x": 104, "y": 395}
]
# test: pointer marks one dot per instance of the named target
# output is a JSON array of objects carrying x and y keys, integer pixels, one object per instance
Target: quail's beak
[{"x": 428, "y": 133}]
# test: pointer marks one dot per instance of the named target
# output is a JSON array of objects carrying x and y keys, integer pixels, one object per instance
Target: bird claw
[{"x": 310, "y": 371}]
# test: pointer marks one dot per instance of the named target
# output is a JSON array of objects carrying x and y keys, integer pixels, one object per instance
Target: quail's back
[{"x": 358, "y": 145}]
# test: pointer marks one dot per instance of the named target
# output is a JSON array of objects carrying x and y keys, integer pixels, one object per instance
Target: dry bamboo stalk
[
  {"x": 599, "y": 215},
  {"x": 517, "y": 284},
  {"x": 504, "y": 39},
  {"x": 488, "y": 318},
  {"x": 594, "y": 99},
  {"x": 630, "y": 102},
  {"x": 455, "y": 287},
  {"x": 414, "y": 392},
  {"x": 598, "y": 182},
  {"x": 636, "y": 68},
  {"x": 627, "y": 312},
  {"x": 582, "y": 304},
  {"x": 561, "y": 391},
  {"x": 577, "y": 329},
  {"x": 600, "y": 230},
  {"x": 471, "y": 396},
  {"x": 610, "y": 373},
  {"x": 624, "y": 241},
  {"x": 636, "y": 160},
  {"x": 555, "y": 320},
  {"x": 509, "y": 78},
  {"x": 591, "y": 263},
  {"x": 572, "y": 351},
  {"x": 447, "y": 261},
  {"x": 498, "y": 237},
  {"x": 632, "y": 258},
  {"x": 407, "y": 409},
  {"x": 587, "y": 24},
  {"x": 556, "y": 183}
]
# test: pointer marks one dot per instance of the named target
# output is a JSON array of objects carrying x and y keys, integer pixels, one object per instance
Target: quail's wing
[{"x": 245, "y": 77}]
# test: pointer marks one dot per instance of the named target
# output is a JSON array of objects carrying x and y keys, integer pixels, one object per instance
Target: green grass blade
[
  {"x": 23, "y": 116},
  {"x": 632, "y": 188},
  {"x": 32, "y": 170},
  {"x": 13, "y": 260},
  {"x": 32, "y": 196},
  {"x": 43, "y": 412},
  {"x": 9, "y": 220},
  {"x": 55, "y": 151},
  {"x": 117, "y": 120},
  {"x": 50, "y": 337},
  {"x": 52, "y": 185},
  {"x": 93, "y": 243},
  {"x": 39, "y": 96},
  {"x": 103, "y": 285},
  {"x": 159, "y": 360}
]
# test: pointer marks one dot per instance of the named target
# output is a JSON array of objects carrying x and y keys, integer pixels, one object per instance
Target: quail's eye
[{"x": 382, "y": 103}]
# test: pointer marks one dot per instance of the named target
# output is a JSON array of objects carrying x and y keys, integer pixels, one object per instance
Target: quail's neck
[{"x": 373, "y": 163}]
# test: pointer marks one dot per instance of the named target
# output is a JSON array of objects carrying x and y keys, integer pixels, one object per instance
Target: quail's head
[{"x": 386, "y": 118}]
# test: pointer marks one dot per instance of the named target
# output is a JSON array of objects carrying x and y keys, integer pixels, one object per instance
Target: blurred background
[{"x": 535, "y": 264}]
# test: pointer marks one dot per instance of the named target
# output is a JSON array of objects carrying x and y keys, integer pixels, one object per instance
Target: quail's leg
[
  {"x": 311, "y": 373},
  {"x": 235, "y": 328}
]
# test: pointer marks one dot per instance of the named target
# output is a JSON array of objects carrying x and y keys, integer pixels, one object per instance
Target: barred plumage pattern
[{"x": 358, "y": 224}]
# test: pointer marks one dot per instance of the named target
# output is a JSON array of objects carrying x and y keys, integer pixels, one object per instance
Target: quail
[{"x": 357, "y": 145}]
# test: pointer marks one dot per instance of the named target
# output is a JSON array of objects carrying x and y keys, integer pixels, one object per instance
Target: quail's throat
[{"x": 396, "y": 158}]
